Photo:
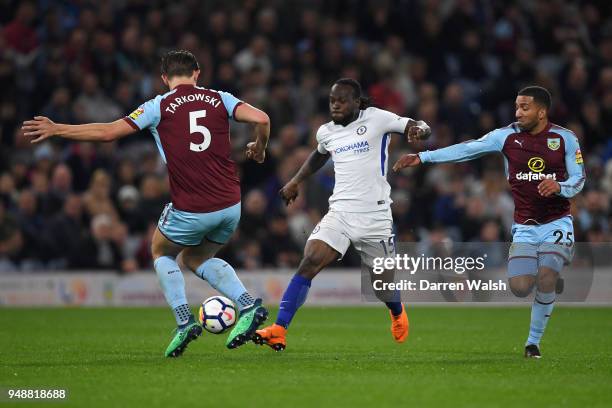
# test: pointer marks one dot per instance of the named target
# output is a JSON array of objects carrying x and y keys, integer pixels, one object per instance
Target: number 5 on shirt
[{"x": 195, "y": 128}]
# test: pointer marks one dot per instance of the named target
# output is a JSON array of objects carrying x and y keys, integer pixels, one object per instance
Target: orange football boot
[
  {"x": 399, "y": 326},
  {"x": 273, "y": 336}
]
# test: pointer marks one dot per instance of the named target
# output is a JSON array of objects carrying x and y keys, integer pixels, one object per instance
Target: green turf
[{"x": 336, "y": 357}]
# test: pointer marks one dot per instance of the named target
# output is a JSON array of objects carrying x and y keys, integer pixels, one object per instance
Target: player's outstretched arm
[
  {"x": 41, "y": 128},
  {"x": 246, "y": 113},
  {"x": 460, "y": 152},
  {"x": 315, "y": 161}
]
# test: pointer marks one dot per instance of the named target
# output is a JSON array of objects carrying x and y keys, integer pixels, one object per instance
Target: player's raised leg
[
  {"x": 523, "y": 260},
  {"x": 218, "y": 228},
  {"x": 317, "y": 255},
  {"x": 173, "y": 285},
  {"x": 522, "y": 286},
  {"x": 222, "y": 276},
  {"x": 217, "y": 272}
]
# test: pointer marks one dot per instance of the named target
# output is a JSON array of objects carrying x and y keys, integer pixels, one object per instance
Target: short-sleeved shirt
[
  {"x": 359, "y": 151},
  {"x": 190, "y": 125}
]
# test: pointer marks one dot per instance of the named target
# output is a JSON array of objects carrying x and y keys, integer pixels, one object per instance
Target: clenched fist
[
  {"x": 420, "y": 131},
  {"x": 548, "y": 187},
  {"x": 256, "y": 152},
  {"x": 289, "y": 192}
]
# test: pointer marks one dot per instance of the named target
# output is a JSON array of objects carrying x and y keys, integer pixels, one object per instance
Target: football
[{"x": 217, "y": 314}]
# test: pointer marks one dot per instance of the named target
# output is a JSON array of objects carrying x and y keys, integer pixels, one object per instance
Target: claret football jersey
[
  {"x": 554, "y": 153},
  {"x": 190, "y": 125}
]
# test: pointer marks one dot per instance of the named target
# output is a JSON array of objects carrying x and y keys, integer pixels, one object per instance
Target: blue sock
[
  {"x": 293, "y": 298},
  {"x": 173, "y": 285},
  {"x": 395, "y": 308},
  {"x": 221, "y": 276},
  {"x": 540, "y": 313}
]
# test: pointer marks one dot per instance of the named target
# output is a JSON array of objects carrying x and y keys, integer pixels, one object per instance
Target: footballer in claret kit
[
  {"x": 544, "y": 167},
  {"x": 190, "y": 125}
]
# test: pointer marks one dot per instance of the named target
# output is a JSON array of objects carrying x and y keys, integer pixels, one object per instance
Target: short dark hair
[
  {"x": 540, "y": 95},
  {"x": 364, "y": 102},
  {"x": 179, "y": 63}
]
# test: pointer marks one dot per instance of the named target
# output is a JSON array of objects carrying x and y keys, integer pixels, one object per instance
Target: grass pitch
[{"x": 336, "y": 357}]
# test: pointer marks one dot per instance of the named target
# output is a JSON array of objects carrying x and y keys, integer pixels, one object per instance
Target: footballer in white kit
[
  {"x": 357, "y": 140},
  {"x": 360, "y": 207}
]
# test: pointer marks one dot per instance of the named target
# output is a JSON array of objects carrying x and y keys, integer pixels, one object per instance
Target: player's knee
[
  {"x": 310, "y": 266},
  {"x": 546, "y": 280},
  {"x": 520, "y": 291},
  {"x": 156, "y": 250},
  {"x": 317, "y": 255},
  {"x": 189, "y": 262},
  {"x": 161, "y": 246},
  {"x": 193, "y": 261},
  {"x": 521, "y": 286}
]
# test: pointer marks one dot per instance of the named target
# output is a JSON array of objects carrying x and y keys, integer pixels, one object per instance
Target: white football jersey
[{"x": 360, "y": 155}]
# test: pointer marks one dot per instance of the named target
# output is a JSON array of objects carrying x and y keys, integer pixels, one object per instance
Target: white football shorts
[{"x": 370, "y": 233}]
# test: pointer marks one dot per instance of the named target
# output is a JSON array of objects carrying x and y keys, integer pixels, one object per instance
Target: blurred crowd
[{"x": 457, "y": 64}]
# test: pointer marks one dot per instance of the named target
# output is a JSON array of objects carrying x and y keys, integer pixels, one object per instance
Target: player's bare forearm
[
  {"x": 246, "y": 113},
  {"x": 257, "y": 150},
  {"x": 262, "y": 134},
  {"x": 314, "y": 162},
  {"x": 93, "y": 132},
  {"x": 249, "y": 114},
  {"x": 41, "y": 128}
]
